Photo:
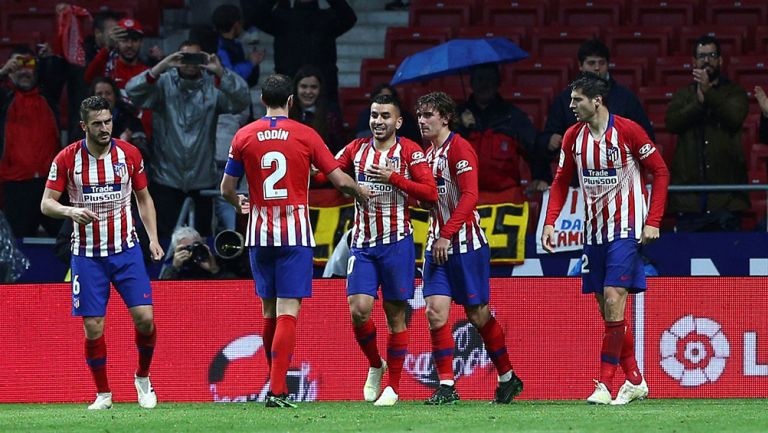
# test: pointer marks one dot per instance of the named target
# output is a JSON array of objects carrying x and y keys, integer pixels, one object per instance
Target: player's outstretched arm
[
  {"x": 148, "y": 217},
  {"x": 347, "y": 185},
  {"x": 51, "y": 207}
]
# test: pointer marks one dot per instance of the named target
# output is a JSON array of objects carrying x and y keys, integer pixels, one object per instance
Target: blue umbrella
[{"x": 455, "y": 56}]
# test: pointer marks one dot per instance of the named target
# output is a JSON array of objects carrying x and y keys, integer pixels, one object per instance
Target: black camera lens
[{"x": 198, "y": 250}]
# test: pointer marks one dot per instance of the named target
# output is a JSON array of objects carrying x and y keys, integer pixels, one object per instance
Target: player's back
[{"x": 276, "y": 153}]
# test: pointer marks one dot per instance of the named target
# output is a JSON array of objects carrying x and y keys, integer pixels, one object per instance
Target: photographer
[{"x": 192, "y": 258}]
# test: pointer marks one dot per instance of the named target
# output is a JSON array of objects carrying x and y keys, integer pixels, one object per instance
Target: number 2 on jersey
[{"x": 280, "y": 165}]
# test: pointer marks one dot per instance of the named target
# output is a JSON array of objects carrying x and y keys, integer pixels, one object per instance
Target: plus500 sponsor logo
[
  {"x": 600, "y": 177},
  {"x": 101, "y": 193}
]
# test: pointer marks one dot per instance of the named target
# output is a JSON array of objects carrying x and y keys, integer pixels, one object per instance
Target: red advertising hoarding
[{"x": 209, "y": 344}]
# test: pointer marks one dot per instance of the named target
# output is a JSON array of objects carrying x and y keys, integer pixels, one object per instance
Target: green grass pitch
[{"x": 726, "y": 415}]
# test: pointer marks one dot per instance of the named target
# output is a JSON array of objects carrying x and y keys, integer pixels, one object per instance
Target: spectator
[
  {"x": 229, "y": 26},
  {"x": 707, "y": 116},
  {"x": 312, "y": 108},
  {"x": 762, "y": 99},
  {"x": 304, "y": 34},
  {"x": 125, "y": 123},
  {"x": 410, "y": 127},
  {"x": 103, "y": 22},
  {"x": 29, "y": 138},
  {"x": 187, "y": 98},
  {"x": 119, "y": 60},
  {"x": 593, "y": 57},
  {"x": 192, "y": 259},
  {"x": 501, "y": 133}
]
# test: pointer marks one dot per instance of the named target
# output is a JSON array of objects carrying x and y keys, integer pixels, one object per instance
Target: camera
[
  {"x": 194, "y": 58},
  {"x": 199, "y": 252}
]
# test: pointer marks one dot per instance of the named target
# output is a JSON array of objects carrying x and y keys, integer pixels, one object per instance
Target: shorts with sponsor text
[
  {"x": 465, "y": 277},
  {"x": 617, "y": 264},
  {"x": 390, "y": 265},
  {"x": 91, "y": 277},
  {"x": 282, "y": 272}
]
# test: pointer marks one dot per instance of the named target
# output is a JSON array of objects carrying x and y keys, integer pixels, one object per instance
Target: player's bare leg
[
  {"x": 145, "y": 337},
  {"x": 510, "y": 386},
  {"x": 438, "y": 308},
  {"x": 282, "y": 349},
  {"x": 96, "y": 357},
  {"x": 397, "y": 349},
  {"x": 360, "y": 307}
]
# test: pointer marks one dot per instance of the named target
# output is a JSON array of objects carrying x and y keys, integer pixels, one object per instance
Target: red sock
[
  {"x": 365, "y": 335},
  {"x": 282, "y": 350},
  {"x": 493, "y": 337},
  {"x": 96, "y": 358},
  {"x": 145, "y": 343},
  {"x": 397, "y": 348},
  {"x": 268, "y": 334},
  {"x": 613, "y": 339},
  {"x": 442, "y": 351},
  {"x": 627, "y": 361}
]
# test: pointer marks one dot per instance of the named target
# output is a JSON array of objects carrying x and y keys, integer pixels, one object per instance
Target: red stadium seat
[
  {"x": 629, "y": 71},
  {"x": 663, "y": 13},
  {"x": 29, "y": 19},
  {"x": 673, "y": 71},
  {"x": 748, "y": 71},
  {"x": 440, "y": 13},
  {"x": 732, "y": 39},
  {"x": 353, "y": 100},
  {"x": 604, "y": 13},
  {"x": 665, "y": 140},
  {"x": 404, "y": 41},
  {"x": 559, "y": 42},
  {"x": 655, "y": 100},
  {"x": 518, "y": 35},
  {"x": 736, "y": 12},
  {"x": 640, "y": 42},
  {"x": 533, "y": 101},
  {"x": 514, "y": 13},
  {"x": 377, "y": 71},
  {"x": 761, "y": 39},
  {"x": 554, "y": 73}
]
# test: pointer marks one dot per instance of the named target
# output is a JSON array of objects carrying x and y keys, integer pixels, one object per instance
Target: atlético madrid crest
[{"x": 120, "y": 169}]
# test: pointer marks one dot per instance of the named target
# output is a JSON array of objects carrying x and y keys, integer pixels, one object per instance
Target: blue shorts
[
  {"x": 617, "y": 264},
  {"x": 465, "y": 277},
  {"x": 91, "y": 277},
  {"x": 282, "y": 272},
  {"x": 391, "y": 266}
]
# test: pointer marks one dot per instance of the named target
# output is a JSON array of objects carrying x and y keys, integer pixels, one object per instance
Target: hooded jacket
[{"x": 184, "y": 123}]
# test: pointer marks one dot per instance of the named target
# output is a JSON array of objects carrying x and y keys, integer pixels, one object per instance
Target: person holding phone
[{"x": 187, "y": 92}]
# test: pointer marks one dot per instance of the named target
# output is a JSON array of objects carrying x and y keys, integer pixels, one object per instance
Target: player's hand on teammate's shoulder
[
  {"x": 83, "y": 215},
  {"x": 649, "y": 234}
]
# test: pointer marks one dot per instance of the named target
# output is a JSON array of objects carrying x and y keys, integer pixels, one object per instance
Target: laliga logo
[
  {"x": 694, "y": 351},
  {"x": 243, "y": 349}
]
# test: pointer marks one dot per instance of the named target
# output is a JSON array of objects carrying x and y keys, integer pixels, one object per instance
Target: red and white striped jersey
[
  {"x": 610, "y": 172},
  {"x": 454, "y": 166},
  {"x": 276, "y": 153},
  {"x": 386, "y": 219},
  {"x": 103, "y": 186}
]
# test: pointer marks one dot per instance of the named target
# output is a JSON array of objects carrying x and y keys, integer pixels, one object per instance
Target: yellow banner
[{"x": 505, "y": 225}]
